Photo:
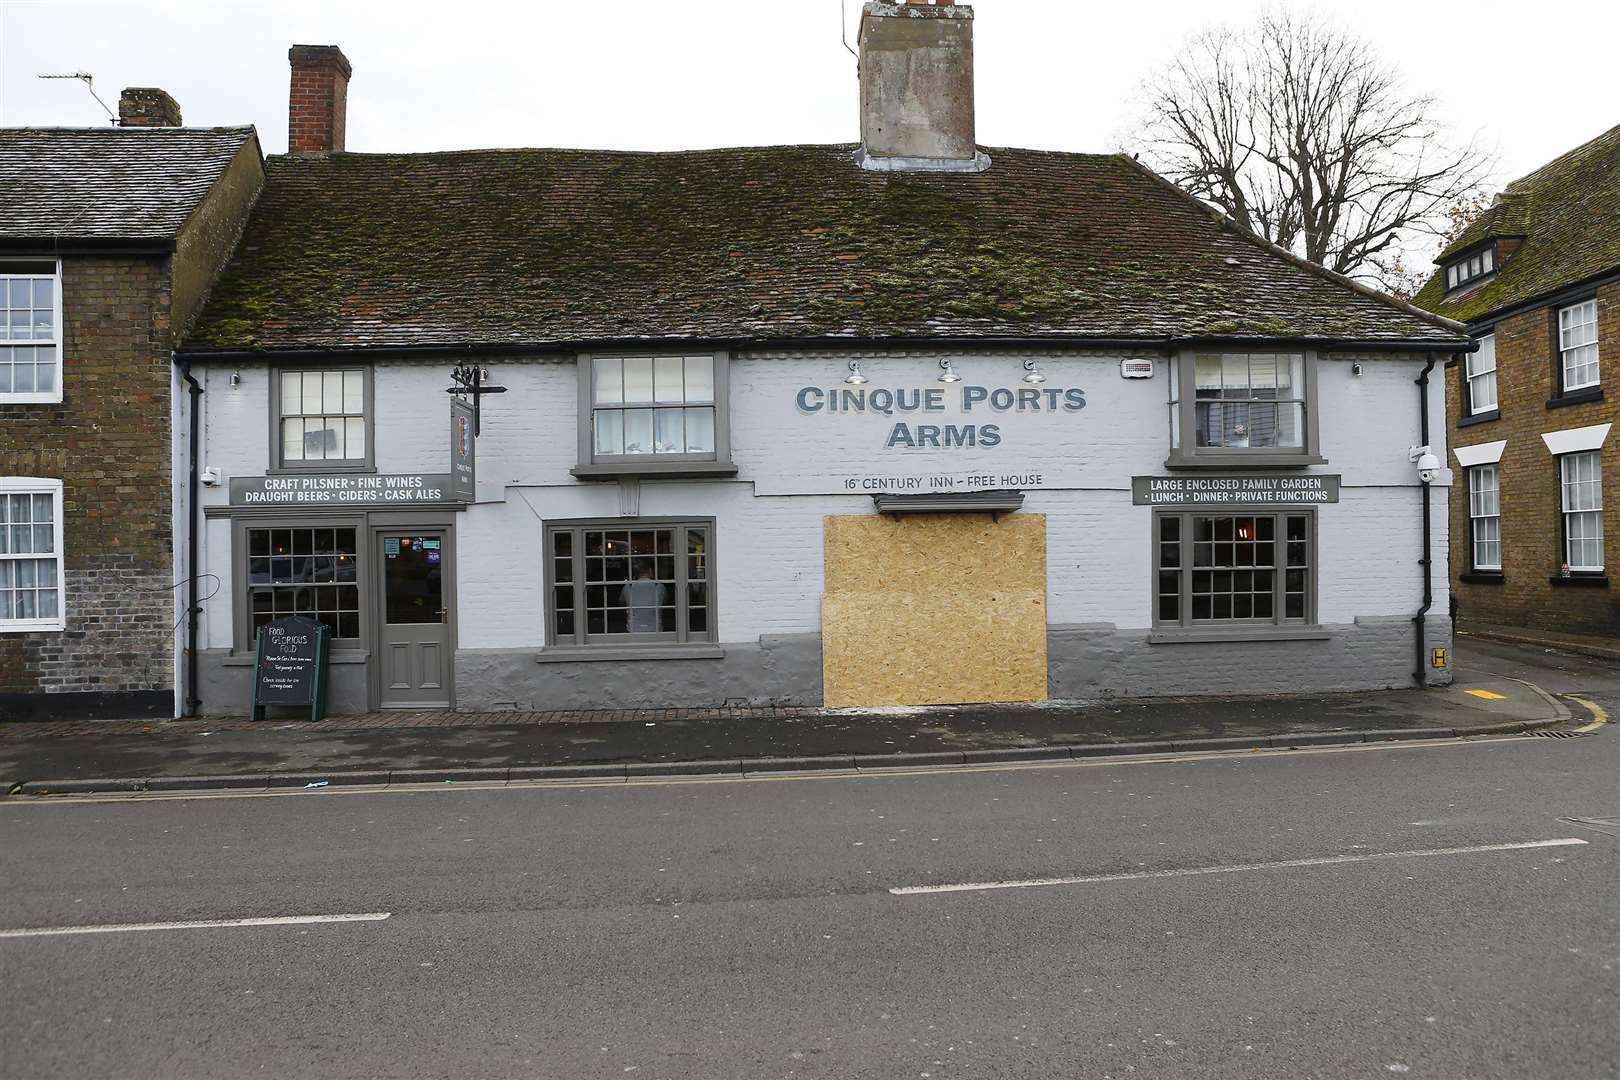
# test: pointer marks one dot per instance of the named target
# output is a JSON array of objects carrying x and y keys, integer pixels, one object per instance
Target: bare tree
[{"x": 1300, "y": 133}]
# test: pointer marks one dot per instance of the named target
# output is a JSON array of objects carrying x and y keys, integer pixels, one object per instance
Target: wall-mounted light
[
  {"x": 1033, "y": 374},
  {"x": 1355, "y": 369},
  {"x": 236, "y": 378},
  {"x": 947, "y": 374},
  {"x": 855, "y": 378}
]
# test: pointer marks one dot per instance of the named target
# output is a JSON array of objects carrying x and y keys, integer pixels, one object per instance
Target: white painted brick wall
[{"x": 770, "y": 547}]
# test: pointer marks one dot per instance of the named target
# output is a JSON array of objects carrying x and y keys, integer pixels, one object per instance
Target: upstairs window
[
  {"x": 1479, "y": 370},
  {"x": 322, "y": 419},
  {"x": 1581, "y": 477},
  {"x": 30, "y": 332},
  {"x": 30, "y": 554},
  {"x": 1476, "y": 266},
  {"x": 1577, "y": 346},
  {"x": 1248, "y": 407},
  {"x": 653, "y": 414}
]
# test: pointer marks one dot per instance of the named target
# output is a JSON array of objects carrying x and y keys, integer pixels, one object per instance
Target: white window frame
[
  {"x": 48, "y": 397},
  {"x": 716, "y": 462},
  {"x": 1477, "y": 375},
  {"x": 1466, "y": 271},
  {"x": 1570, "y": 318},
  {"x": 1485, "y": 515},
  {"x": 1566, "y": 464},
  {"x": 36, "y": 485}
]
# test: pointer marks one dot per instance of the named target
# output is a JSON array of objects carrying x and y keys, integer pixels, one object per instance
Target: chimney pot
[
  {"x": 317, "y": 102},
  {"x": 147, "y": 106},
  {"x": 917, "y": 87}
]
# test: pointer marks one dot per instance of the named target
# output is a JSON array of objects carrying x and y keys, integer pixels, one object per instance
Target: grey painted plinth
[
  {"x": 1370, "y": 654},
  {"x": 776, "y": 670}
]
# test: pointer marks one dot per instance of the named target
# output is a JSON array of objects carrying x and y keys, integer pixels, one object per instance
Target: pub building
[{"x": 907, "y": 421}]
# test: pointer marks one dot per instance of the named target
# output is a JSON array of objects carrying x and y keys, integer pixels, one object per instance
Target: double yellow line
[{"x": 1599, "y": 716}]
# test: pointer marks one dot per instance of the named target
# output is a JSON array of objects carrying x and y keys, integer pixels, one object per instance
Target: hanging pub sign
[
  {"x": 463, "y": 450},
  {"x": 289, "y": 666},
  {"x": 1234, "y": 489}
]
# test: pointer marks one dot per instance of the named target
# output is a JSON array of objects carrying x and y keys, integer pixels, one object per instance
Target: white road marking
[
  {"x": 1196, "y": 871},
  {"x": 196, "y": 924}
]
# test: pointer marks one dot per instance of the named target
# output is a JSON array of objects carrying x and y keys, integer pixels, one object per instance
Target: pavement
[
  {"x": 1438, "y": 909},
  {"x": 409, "y": 748},
  {"x": 1603, "y": 648}
]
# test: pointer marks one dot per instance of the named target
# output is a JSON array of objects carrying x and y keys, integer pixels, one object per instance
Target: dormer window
[{"x": 1466, "y": 271}]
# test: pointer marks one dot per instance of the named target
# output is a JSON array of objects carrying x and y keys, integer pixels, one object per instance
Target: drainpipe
[
  {"x": 193, "y": 606},
  {"x": 1421, "y": 671}
]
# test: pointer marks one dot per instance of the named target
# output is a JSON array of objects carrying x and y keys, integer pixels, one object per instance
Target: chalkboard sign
[{"x": 289, "y": 667}]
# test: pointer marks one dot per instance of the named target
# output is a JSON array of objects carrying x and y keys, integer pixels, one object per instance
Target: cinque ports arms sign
[{"x": 980, "y": 410}]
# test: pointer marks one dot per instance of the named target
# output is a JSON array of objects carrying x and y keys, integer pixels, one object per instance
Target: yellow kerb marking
[
  {"x": 1489, "y": 695},
  {"x": 1599, "y": 717}
]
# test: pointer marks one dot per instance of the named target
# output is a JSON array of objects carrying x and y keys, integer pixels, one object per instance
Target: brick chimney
[
  {"x": 917, "y": 87},
  {"x": 318, "y": 103},
  {"x": 147, "y": 106}
]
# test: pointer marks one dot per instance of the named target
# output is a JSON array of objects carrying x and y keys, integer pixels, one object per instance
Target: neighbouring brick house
[
  {"x": 1536, "y": 278},
  {"x": 109, "y": 240},
  {"x": 908, "y": 421}
]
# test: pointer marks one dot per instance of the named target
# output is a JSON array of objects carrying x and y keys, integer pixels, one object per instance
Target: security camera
[{"x": 1428, "y": 465}]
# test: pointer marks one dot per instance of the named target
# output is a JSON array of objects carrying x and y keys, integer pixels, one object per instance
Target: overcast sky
[{"x": 666, "y": 74}]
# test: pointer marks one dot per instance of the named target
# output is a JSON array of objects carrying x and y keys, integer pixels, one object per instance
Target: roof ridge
[
  {"x": 1515, "y": 187},
  {"x": 1278, "y": 250}
]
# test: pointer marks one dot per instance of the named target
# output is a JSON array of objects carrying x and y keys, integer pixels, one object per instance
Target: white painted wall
[{"x": 769, "y": 546}]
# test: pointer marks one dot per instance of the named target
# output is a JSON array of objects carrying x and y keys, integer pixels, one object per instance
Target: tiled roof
[
  {"x": 1567, "y": 211},
  {"x": 108, "y": 183},
  {"x": 541, "y": 247}
]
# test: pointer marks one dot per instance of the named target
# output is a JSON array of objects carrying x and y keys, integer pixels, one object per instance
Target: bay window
[
  {"x": 630, "y": 582},
  {"x": 1231, "y": 570},
  {"x": 1243, "y": 408},
  {"x": 653, "y": 414}
]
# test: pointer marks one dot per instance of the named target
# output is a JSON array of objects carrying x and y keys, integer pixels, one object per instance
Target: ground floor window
[
  {"x": 630, "y": 582},
  {"x": 311, "y": 571},
  {"x": 30, "y": 554},
  {"x": 1485, "y": 516},
  {"x": 1234, "y": 568},
  {"x": 1581, "y": 477}
]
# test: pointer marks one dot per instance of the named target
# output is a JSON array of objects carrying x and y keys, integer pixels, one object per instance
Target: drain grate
[{"x": 1558, "y": 733}]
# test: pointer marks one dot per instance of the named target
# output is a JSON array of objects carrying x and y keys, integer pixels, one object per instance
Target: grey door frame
[{"x": 377, "y": 527}]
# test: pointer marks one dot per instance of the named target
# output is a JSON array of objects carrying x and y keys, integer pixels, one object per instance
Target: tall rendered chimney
[
  {"x": 317, "y": 106},
  {"x": 917, "y": 87},
  {"x": 147, "y": 106}
]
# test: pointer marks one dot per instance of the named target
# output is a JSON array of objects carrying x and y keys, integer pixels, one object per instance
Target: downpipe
[
  {"x": 1420, "y": 672},
  {"x": 193, "y": 478}
]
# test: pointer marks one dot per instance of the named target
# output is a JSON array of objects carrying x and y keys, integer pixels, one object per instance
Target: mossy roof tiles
[
  {"x": 1568, "y": 214},
  {"x": 541, "y": 247},
  {"x": 77, "y": 184}
]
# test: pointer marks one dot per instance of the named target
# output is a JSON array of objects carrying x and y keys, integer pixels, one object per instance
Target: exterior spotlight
[
  {"x": 855, "y": 378},
  {"x": 1034, "y": 376},
  {"x": 236, "y": 378},
  {"x": 947, "y": 374}
]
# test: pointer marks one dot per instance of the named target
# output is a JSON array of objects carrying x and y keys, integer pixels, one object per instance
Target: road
[{"x": 749, "y": 928}]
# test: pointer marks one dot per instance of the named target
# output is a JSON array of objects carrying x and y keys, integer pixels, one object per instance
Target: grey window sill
[
  {"x": 1179, "y": 636},
  {"x": 320, "y": 468},
  {"x": 572, "y": 654},
  {"x": 1585, "y": 395},
  {"x": 1245, "y": 461},
  {"x": 671, "y": 469},
  {"x": 336, "y": 656}
]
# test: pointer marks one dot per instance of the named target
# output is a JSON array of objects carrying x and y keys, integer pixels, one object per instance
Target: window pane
[
  {"x": 354, "y": 439},
  {"x": 700, "y": 431},
  {"x": 1208, "y": 376},
  {"x": 292, "y": 439},
  {"x": 354, "y": 392},
  {"x": 1234, "y": 375},
  {"x": 292, "y": 393},
  {"x": 310, "y": 401},
  {"x": 609, "y": 431},
  {"x": 668, "y": 380},
  {"x": 638, "y": 429},
  {"x": 700, "y": 378},
  {"x": 332, "y": 391},
  {"x": 638, "y": 379},
  {"x": 608, "y": 380},
  {"x": 671, "y": 432}
]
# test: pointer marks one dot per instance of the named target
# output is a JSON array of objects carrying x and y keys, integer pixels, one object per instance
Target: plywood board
[{"x": 932, "y": 609}]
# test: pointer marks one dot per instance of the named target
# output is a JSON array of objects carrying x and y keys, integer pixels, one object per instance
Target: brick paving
[{"x": 402, "y": 719}]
